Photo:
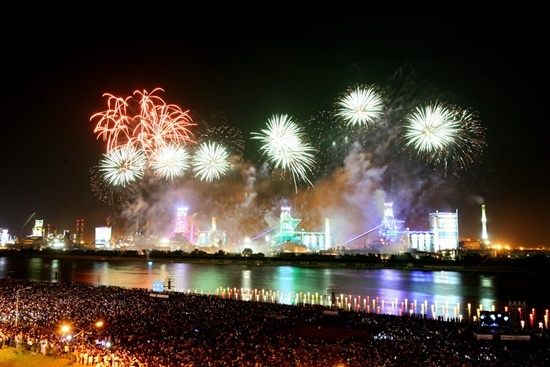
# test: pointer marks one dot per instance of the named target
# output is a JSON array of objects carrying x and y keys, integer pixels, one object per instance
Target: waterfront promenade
[{"x": 187, "y": 330}]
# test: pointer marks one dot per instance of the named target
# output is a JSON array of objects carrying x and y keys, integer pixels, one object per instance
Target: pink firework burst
[{"x": 144, "y": 121}]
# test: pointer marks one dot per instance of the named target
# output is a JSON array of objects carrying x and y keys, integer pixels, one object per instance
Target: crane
[{"x": 24, "y": 224}]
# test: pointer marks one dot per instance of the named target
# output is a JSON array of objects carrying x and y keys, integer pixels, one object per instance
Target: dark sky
[{"x": 241, "y": 71}]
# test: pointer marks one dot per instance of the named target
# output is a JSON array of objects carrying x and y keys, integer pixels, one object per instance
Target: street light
[
  {"x": 66, "y": 330},
  {"x": 17, "y": 303}
]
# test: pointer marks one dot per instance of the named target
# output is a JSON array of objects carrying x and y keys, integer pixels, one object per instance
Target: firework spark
[
  {"x": 170, "y": 162},
  {"x": 228, "y": 136},
  {"x": 112, "y": 195},
  {"x": 286, "y": 148},
  {"x": 360, "y": 105},
  {"x": 471, "y": 141},
  {"x": 123, "y": 165},
  {"x": 210, "y": 161},
  {"x": 332, "y": 141}
]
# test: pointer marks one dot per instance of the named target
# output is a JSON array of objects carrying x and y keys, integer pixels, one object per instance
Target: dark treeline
[{"x": 534, "y": 262}]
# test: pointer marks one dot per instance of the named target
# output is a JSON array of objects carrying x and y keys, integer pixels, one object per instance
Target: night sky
[{"x": 239, "y": 72}]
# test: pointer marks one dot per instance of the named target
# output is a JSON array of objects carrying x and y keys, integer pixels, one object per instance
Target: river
[{"x": 450, "y": 294}]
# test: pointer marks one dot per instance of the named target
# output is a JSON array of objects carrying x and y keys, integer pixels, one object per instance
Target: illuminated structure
[
  {"x": 37, "y": 237},
  {"x": 287, "y": 227},
  {"x": 187, "y": 231},
  {"x": 5, "y": 238},
  {"x": 484, "y": 235},
  {"x": 309, "y": 241},
  {"x": 389, "y": 230},
  {"x": 471, "y": 244},
  {"x": 103, "y": 237},
  {"x": 442, "y": 236},
  {"x": 421, "y": 241},
  {"x": 213, "y": 237},
  {"x": 182, "y": 224},
  {"x": 38, "y": 229},
  {"x": 444, "y": 227},
  {"x": 185, "y": 228}
]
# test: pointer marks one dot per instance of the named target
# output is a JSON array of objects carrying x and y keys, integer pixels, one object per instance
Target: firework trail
[
  {"x": 154, "y": 126},
  {"x": 471, "y": 142},
  {"x": 285, "y": 146},
  {"x": 160, "y": 124},
  {"x": 114, "y": 122}
]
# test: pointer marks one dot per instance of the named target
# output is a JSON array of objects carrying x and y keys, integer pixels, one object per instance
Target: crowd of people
[{"x": 144, "y": 329}]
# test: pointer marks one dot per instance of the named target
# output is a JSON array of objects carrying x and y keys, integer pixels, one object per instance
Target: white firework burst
[
  {"x": 123, "y": 165},
  {"x": 361, "y": 106},
  {"x": 210, "y": 161},
  {"x": 170, "y": 162}
]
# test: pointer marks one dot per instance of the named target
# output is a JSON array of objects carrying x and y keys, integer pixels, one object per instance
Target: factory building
[
  {"x": 303, "y": 241},
  {"x": 442, "y": 237}
]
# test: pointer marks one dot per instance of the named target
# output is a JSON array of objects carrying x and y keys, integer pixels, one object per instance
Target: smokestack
[{"x": 484, "y": 235}]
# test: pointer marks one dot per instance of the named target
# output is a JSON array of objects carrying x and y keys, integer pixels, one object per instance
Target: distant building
[
  {"x": 103, "y": 237},
  {"x": 473, "y": 244},
  {"x": 5, "y": 238},
  {"x": 288, "y": 237},
  {"x": 441, "y": 237},
  {"x": 444, "y": 227}
]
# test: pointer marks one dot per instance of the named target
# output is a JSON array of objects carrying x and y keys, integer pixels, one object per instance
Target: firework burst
[
  {"x": 170, "y": 162},
  {"x": 210, "y": 161},
  {"x": 112, "y": 195},
  {"x": 361, "y": 106},
  {"x": 284, "y": 144},
  {"x": 353, "y": 153},
  {"x": 443, "y": 135},
  {"x": 143, "y": 134},
  {"x": 154, "y": 126},
  {"x": 123, "y": 165}
]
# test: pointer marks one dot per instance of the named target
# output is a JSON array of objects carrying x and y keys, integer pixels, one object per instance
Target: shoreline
[{"x": 540, "y": 265}]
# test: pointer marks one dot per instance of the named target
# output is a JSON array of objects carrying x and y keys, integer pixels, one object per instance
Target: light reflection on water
[{"x": 435, "y": 293}]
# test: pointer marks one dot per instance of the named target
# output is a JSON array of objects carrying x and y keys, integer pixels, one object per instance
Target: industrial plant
[{"x": 391, "y": 236}]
